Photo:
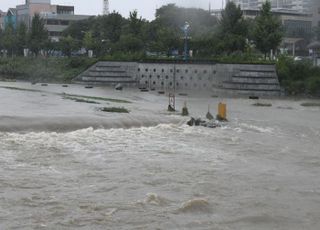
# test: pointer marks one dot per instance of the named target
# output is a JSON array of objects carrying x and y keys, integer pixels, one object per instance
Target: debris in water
[
  {"x": 185, "y": 111},
  {"x": 209, "y": 115},
  {"x": 155, "y": 199},
  {"x": 118, "y": 87},
  {"x": 200, "y": 122},
  {"x": 259, "y": 104},
  {"x": 195, "y": 205}
]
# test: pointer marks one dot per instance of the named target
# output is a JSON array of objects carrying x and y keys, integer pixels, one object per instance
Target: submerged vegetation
[
  {"x": 114, "y": 110},
  {"x": 80, "y": 100},
  {"x": 260, "y": 104},
  {"x": 311, "y": 104},
  {"x": 98, "y": 98}
]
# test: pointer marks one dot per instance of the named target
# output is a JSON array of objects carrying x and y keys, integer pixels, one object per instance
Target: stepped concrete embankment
[{"x": 229, "y": 79}]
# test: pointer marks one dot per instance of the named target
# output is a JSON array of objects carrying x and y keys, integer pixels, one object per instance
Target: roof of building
[
  {"x": 314, "y": 45},
  {"x": 12, "y": 11},
  {"x": 69, "y": 17}
]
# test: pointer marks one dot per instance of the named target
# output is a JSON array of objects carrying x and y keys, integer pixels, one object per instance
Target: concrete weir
[{"x": 227, "y": 79}]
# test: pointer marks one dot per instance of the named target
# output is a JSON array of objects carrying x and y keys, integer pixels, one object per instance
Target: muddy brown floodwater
[{"x": 67, "y": 165}]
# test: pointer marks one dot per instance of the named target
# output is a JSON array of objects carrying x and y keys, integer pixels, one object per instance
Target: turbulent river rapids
[{"x": 67, "y": 165}]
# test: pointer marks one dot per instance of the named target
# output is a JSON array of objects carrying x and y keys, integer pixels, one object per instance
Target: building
[
  {"x": 11, "y": 18},
  {"x": 57, "y": 17},
  {"x": 296, "y": 5},
  {"x": 297, "y": 27},
  {"x": 316, "y": 13},
  {"x": 2, "y": 17}
]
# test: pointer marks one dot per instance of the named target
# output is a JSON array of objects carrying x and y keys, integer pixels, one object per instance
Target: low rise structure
[
  {"x": 57, "y": 18},
  {"x": 2, "y": 16}
]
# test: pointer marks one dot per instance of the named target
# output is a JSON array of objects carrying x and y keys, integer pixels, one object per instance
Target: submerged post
[
  {"x": 222, "y": 112},
  {"x": 172, "y": 103}
]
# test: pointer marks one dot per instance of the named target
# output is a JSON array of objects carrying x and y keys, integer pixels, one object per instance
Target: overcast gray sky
[{"x": 146, "y": 8}]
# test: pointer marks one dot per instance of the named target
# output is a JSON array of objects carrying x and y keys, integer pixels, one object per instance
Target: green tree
[
  {"x": 9, "y": 40},
  {"x": 267, "y": 32},
  {"x": 21, "y": 38},
  {"x": 109, "y": 27},
  {"x": 135, "y": 23},
  {"x": 67, "y": 45},
  {"x": 233, "y": 29},
  {"x": 129, "y": 43},
  {"x": 38, "y": 35},
  {"x": 88, "y": 41}
]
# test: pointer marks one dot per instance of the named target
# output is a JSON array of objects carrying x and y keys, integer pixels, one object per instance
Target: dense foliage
[
  {"x": 267, "y": 32},
  {"x": 230, "y": 39},
  {"x": 298, "y": 77},
  {"x": 43, "y": 69}
]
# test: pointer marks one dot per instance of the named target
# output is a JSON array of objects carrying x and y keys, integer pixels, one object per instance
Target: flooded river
[{"x": 67, "y": 165}]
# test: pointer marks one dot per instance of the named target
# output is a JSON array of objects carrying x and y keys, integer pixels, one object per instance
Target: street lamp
[{"x": 186, "y": 29}]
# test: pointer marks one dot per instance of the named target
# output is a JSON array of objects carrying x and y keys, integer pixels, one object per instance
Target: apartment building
[{"x": 297, "y": 5}]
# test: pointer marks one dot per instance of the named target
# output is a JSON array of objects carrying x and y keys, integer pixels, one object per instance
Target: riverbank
[
  {"x": 52, "y": 70},
  {"x": 52, "y": 107}
]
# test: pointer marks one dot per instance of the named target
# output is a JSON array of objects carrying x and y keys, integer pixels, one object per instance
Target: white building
[{"x": 297, "y": 5}]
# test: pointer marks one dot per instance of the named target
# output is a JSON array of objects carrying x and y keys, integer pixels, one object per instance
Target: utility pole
[
  {"x": 106, "y": 7},
  {"x": 185, "y": 29}
]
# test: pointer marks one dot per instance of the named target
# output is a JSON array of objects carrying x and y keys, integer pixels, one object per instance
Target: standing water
[{"x": 67, "y": 165}]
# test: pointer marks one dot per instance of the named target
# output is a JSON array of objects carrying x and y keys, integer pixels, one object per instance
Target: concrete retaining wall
[{"x": 228, "y": 78}]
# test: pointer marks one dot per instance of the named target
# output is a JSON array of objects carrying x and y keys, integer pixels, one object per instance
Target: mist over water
[{"x": 259, "y": 171}]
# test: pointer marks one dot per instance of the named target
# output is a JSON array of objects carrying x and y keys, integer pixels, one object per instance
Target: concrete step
[
  {"x": 106, "y": 74},
  {"x": 256, "y": 74},
  {"x": 110, "y": 68},
  {"x": 256, "y": 80},
  {"x": 90, "y": 78},
  {"x": 260, "y": 93},
  {"x": 250, "y": 86},
  {"x": 108, "y": 80},
  {"x": 107, "y": 71}
]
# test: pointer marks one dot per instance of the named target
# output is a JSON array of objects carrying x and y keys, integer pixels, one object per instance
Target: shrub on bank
[
  {"x": 43, "y": 69},
  {"x": 298, "y": 77}
]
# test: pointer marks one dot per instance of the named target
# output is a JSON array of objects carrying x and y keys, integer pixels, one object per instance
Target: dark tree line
[
  {"x": 15, "y": 40},
  {"x": 115, "y": 35},
  {"x": 209, "y": 36}
]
